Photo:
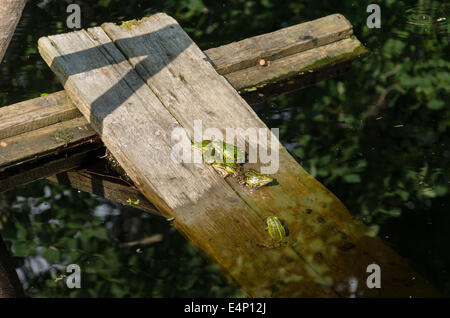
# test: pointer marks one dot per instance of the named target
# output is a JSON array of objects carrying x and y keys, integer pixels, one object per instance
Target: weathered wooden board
[
  {"x": 44, "y": 169},
  {"x": 34, "y": 142},
  {"x": 39, "y": 128},
  {"x": 37, "y": 113},
  {"x": 38, "y": 143},
  {"x": 332, "y": 244},
  {"x": 288, "y": 41},
  {"x": 133, "y": 124},
  {"x": 297, "y": 64},
  {"x": 290, "y": 84}
]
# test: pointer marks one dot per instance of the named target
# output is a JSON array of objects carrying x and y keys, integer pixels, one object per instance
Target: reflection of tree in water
[{"x": 122, "y": 252}]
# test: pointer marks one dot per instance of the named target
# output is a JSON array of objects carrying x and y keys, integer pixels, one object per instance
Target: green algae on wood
[
  {"x": 331, "y": 60},
  {"x": 130, "y": 23},
  {"x": 63, "y": 135}
]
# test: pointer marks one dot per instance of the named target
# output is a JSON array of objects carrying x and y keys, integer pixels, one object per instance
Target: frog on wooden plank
[
  {"x": 277, "y": 233},
  {"x": 227, "y": 160}
]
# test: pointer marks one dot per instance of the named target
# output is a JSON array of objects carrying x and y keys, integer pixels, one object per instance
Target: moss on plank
[
  {"x": 63, "y": 135},
  {"x": 331, "y": 60},
  {"x": 129, "y": 24}
]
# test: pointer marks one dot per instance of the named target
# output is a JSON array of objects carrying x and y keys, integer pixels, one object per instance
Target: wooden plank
[
  {"x": 10, "y": 12},
  {"x": 36, "y": 113},
  {"x": 298, "y": 38},
  {"x": 133, "y": 124},
  {"x": 257, "y": 94},
  {"x": 297, "y": 64},
  {"x": 45, "y": 141},
  {"x": 44, "y": 169},
  {"x": 332, "y": 244}
]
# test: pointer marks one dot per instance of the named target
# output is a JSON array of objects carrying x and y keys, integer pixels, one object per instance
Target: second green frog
[{"x": 227, "y": 159}]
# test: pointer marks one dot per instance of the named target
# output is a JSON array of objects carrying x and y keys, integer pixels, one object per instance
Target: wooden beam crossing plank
[
  {"x": 287, "y": 41},
  {"x": 45, "y": 141},
  {"x": 39, "y": 128},
  {"x": 332, "y": 243},
  {"x": 54, "y": 107},
  {"x": 133, "y": 124},
  {"x": 42, "y": 111},
  {"x": 254, "y": 95},
  {"x": 254, "y": 83},
  {"x": 297, "y": 64},
  {"x": 45, "y": 169},
  {"x": 36, "y": 113},
  {"x": 57, "y": 107}
]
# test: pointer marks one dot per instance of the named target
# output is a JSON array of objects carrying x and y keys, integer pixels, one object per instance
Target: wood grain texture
[
  {"x": 46, "y": 168},
  {"x": 36, "y": 113},
  {"x": 297, "y": 64},
  {"x": 332, "y": 244},
  {"x": 135, "y": 126},
  {"x": 10, "y": 13},
  {"x": 44, "y": 141},
  {"x": 298, "y": 81},
  {"x": 298, "y": 38}
]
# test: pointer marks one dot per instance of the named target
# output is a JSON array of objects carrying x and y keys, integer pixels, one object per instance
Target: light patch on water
[
  {"x": 44, "y": 206},
  {"x": 47, "y": 192},
  {"x": 56, "y": 222},
  {"x": 104, "y": 210},
  {"x": 353, "y": 284}
]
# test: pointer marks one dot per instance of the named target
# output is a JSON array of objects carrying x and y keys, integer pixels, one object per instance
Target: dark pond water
[{"x": 378, "y": 137}]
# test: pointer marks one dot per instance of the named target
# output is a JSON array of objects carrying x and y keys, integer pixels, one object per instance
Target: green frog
[
  {"x": 222, "y": 156},
  {"x": 225, "y": 159},
  {"x": 226, "y": 169},
  {"x": 275, "y": 229},
  {"x": 277, "y": 233},
  {"x": 255, "y": 179},
  {"x": 206, "y": 148},
  {"x": 219, "y": 151}
]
